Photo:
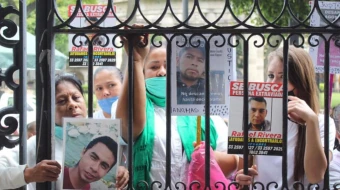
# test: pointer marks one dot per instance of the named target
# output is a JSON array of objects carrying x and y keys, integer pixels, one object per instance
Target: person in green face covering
[{"x": 149, "y": 123}]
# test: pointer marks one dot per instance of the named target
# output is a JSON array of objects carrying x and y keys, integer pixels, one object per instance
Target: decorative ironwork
[
  {"x": 9, "y": 30},
  {"x": 242, "y": 32}
]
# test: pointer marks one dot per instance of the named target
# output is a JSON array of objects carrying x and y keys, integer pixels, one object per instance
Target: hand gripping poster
[
  {"x": 264, "y": 121},
  {"x": 92, "y": 153},
  {"x": 188, "y": 75},
  {"x": 78, "y": 45}
]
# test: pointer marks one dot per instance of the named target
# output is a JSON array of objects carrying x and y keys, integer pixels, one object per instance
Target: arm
[
  {"x": 315, "y": 162},
  {"x": 12, "y": 174},
  {"x": 139, "y": 114},
  {"x": 227, "y": 162}
]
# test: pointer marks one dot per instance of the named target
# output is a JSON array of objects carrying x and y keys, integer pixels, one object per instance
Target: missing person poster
[
  {"x": 331, "y": 11},
  {"x": 92, "y": 153},
  {"x": 189, "y": 75},
  {"x": 264, "y": 122},
  {"x": 103, "y": 55}
]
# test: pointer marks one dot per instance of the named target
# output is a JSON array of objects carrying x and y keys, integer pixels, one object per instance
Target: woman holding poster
[
  {"x": 149, "y": 123},
  {"x": 306, "y": 159},
  {"x": 69, "y": 102}
]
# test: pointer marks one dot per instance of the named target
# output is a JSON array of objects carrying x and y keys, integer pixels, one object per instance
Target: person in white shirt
[
  {"x": 69, "y": 102},
  {"x": 107, "y": 82},
  {"x": 334, "y": 166},
  {"x": 307, "y": 161},
  {"x": 149, "y": 124}
]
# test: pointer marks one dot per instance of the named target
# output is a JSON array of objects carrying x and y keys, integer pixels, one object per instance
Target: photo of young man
[
  {"x": 257, "y": 114},
  {"x": 96, "y": 160},
  {"x": 191, "y": 75}
]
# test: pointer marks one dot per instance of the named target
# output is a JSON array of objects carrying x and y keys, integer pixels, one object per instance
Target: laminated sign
[
  {"x": 92, "y": 153},
  {"x": 104, "y": 53},
  {"x": 264, "y": 122}
]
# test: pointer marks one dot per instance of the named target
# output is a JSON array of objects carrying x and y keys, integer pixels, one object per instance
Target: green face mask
[{"x": 156, "y": 90}]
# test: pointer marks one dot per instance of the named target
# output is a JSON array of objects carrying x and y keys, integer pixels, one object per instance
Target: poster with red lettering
[
  {"x": 103, "y": 50},
  {"x": 264, "y": 118}
]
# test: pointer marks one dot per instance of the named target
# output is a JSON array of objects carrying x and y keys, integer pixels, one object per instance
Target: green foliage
[
  {"x": 322, "y": 87},
  {"x": 61, "y": 40},
  {"x": 335, "y": 100},
  {"x": 94, "y": 103},
  {"x": 271, "y": 9}
]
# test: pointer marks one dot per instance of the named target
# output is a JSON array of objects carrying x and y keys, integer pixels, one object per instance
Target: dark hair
[
  {"x": 110, "y": 144},
  {"x": 200, "y": 48},
  {"x": 258, "y": 99},
  {"x": 115, "y": 71},
  {"x": 69, "y": 77}
]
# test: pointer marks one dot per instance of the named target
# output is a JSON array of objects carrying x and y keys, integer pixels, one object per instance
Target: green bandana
[
  {"x": 143, "y": 146},
  {"x": 58, "y": 131}
]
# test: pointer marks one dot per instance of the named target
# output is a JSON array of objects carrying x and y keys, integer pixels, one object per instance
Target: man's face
[
  {"x": 257, "y": 112},
  {"x": 95, "y": 163},
  {"x": 191, "y": 64}
]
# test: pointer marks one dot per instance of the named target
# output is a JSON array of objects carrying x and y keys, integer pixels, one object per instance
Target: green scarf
[{"x": 143, "y": 146}]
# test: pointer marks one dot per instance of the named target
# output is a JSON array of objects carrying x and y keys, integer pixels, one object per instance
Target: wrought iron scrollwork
[
  {"x": 169, "y": 11},
  {"x": 9, "y": 30}
]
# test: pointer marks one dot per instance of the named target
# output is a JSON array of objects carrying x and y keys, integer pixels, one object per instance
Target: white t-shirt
[
  {"x": 334, "y": 170},
  {"x": 99, "y": 115},
  {"x": 12, "y": 174},
  {"x": 179, "y": 164},
  {"x": 270, "y": 167}
]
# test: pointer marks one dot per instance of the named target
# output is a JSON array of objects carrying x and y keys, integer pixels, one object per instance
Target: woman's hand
[
  {"x": 122, "y": 177},
  {"x": 140, "y": 44},
  {"x": 46, "y": 170},
  {"x": 243, "y": 179},
  {"x": 299, "y": 111}
]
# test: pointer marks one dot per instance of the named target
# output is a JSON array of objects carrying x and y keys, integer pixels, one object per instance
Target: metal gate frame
[{"x": 46, "y": 29}]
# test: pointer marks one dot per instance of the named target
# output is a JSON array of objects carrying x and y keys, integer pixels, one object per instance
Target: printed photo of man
[
  {"x": 96, "y": 160},
  {"x": 257, "y": 114},
  {"x": 190, "y": 75}
]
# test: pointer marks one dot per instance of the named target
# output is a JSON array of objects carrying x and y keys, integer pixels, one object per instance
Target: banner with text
[
  {"x": 331, "y": 11},
  {"x": 189, "y": 76},
  {"x": 264, "y": 121},
  {"x": 78, "y": 46}
]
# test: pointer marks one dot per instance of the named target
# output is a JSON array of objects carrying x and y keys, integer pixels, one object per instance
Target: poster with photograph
[
  {"x": 91, "y": 153},
  {"x": 265, "y": 118},
  {"x": 189, "y": 76},
  {"x": 102, "y": 56},
  {"x": 331, "y": 11}
]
